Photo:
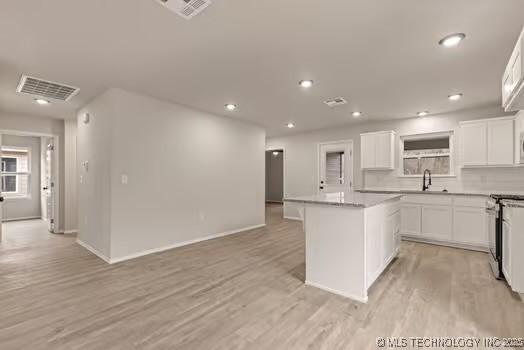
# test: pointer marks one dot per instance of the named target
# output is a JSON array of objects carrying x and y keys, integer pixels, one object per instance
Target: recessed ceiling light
[
  {"x": 305, "y": 83},
  {"x": 356, "y": 114},
  {"x": 452, "y": 39},
  {"x": 231, "y": 106},
  {"x": 275, "y": 153},
  {"x": 42, "y": 101},
  {"x": 455, "y": 97},
  {"x": 423, "y": 113},
  {"x": 290, "y": 125}
]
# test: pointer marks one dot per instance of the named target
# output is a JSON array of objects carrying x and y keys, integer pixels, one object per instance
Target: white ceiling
[{"x": 382, "y": 56}]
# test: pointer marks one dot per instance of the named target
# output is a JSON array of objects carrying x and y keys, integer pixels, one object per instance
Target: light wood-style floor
[{"x": 243, "y": 291}]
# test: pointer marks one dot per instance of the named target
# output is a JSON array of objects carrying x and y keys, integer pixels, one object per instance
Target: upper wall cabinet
[
  {"x": 489, "y": 142},
  {"x": 513, "y": 79},
  {"x": 377, "y": 150}
]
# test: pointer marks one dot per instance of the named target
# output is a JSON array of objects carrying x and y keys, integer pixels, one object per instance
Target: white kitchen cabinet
[
  {"x": 501, "y": 142},
  {"x": 377, "y": 150},
  {"x": 488, "y": 142},
  {"x": 445, "y": 219},
  {"x": 437, "y": 222},
  {"x": 513, "y": 78},
  {"x": 410, "y": 219},
  {"x": 470, "y": 225},
  {"x": 474, "y": 144},
  {"x": 506, "y": 251},
  {"x": 367, "y": 148},
  {"x": 513, "y": 248}
]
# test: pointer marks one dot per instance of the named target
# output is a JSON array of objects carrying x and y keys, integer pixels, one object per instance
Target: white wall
[
  {"x": 26, "y": 207},
  {"x": 70, "y": 177},
  {"x": 48, "y": 126},
  {"x": 94, "y": 147},
  {"x": 302, "y": 168},
  {"x": 190, "y": 174}
]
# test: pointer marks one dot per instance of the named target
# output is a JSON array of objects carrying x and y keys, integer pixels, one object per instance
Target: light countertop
[
  {"x": 452, "y": 193},
  {"x": 350, "y": 199}
]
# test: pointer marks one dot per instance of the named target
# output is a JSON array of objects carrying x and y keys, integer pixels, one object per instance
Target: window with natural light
[
  {"x": 432, "y": 152},
  {"x": 15, "y": 172},
  {"x": 335, "y": 168}
]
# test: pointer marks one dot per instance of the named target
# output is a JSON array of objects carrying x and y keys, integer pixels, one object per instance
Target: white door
[
  {"x": 336, "y": 166},
  {"x": 1, "y": 186}
]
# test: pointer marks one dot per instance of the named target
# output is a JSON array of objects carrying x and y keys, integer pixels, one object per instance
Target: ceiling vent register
[
  {"x": 185, "y": 8},
  {"x": 333, "y": 102},
  {"x": 45, "y": 88}
]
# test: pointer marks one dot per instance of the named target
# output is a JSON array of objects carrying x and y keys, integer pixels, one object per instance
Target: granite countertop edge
[
  {"x": 449, "y": 193},
  {"x": 345, "y": 204},
  {"x": 305, "y": 201}
]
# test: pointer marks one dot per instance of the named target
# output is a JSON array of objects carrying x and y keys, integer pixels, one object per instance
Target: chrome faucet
[{"x": 424, "y": 186}]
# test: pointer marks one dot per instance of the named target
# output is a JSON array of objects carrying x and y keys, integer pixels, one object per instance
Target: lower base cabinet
[
  {"x": 513, "y": 248},
  {"x": 447, "y": 222},
  {"x": 410, "y": 219},
  {"x": 437, "y": 222},
  {"x": 506, "y": 251},
  {"x": 470, "y": 226}
]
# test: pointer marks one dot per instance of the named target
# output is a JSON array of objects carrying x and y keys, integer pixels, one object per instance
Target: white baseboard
[
  {"x": 181, "y": 244},
  {"x": 93, "y": 250},
  {"x": 22, "y": 218},
  {"x": 479, "y": 248},
  {"x": 338, "y": 292},
  {"x": 296, "y": 218},
  {"x": 68, "y": 232}
]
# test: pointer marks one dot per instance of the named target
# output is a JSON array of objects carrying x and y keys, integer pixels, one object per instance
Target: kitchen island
[{"x": 351, "y": 238}]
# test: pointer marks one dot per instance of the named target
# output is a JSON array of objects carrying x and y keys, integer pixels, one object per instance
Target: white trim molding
[
  {"x": 22, "y": 218},
  {"x": 334, "y": 291},
  {"x": 181, "y": 244},
  {"x": 70, "y": 232},
  {"x": 93, "y": 250},
  {"x": 169, "y": 247}
]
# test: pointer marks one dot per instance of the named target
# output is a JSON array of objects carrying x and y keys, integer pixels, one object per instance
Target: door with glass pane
[{"x": 336, "y": 166}]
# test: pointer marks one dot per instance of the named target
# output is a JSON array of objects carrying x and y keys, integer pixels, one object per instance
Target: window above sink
[{"x": 432, "y": 151}]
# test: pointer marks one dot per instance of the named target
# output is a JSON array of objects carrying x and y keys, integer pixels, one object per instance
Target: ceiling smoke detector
[
  {"x": 44, "y": 89},
  {"x": 185, "y": 8},
  {"x": 333, "y": 102}
]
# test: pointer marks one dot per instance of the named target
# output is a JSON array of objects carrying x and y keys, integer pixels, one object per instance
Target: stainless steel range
[{"x": 494, "y": 209}]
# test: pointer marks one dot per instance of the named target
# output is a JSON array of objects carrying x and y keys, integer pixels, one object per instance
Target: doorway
[
  {"x": 28, "y": 175},
  {"x": 335, "y": 168},
  {"x": 275, "y": 182}
]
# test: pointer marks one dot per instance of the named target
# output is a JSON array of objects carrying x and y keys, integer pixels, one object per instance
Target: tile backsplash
[{"x": 472, "y": 179}]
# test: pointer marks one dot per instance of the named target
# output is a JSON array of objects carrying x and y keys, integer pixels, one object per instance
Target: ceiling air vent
[
  {"x": 333, "y": 102},
  {"x": 44, "y": 88},
  {"x": 185, "y": 8}
]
